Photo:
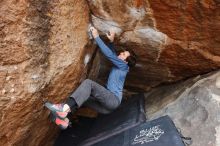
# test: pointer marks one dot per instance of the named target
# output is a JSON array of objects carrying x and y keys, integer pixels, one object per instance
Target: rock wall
[
  {"x": 44, "y": 53},
  {"x": 194, "y": 105},
  {"x": 173, "y": 39}
]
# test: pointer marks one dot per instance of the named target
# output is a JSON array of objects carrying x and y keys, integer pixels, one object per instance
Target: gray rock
[{"x": 195, "y": 108}]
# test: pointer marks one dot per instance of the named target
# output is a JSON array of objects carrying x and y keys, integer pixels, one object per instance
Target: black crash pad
[
  {"x": 159, "y": 132},
  {"x": 89, "y": 131}
]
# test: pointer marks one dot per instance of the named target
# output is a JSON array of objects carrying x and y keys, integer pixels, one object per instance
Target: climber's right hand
[{"x": 111, "y": 35}]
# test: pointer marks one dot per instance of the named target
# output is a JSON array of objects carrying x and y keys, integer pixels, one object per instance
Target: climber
[{"x": 103, "y": 100}]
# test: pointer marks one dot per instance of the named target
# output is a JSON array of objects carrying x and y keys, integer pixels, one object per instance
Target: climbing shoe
[
  {"x": 57, "y": 110},
  {"x": 62, "y": 123}
]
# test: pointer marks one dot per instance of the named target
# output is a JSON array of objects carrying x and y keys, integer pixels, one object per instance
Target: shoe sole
[
  {"x": 53, "y": 119},
  {"x": 53, "y": 110}
]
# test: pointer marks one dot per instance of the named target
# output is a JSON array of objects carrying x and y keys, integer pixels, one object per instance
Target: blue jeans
[{"x": 93, "y": 95}]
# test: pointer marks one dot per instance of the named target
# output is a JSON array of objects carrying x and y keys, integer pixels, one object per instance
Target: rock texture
[
  {"x": 194, "y": 105},
  {"x": 44, "y": 51},
  {"x": 173, "y": 39}
]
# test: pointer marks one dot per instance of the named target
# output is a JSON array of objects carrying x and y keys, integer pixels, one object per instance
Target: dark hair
[{"x": 131, "y": 59}]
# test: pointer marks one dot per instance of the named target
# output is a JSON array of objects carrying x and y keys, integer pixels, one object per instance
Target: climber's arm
[{"x": 107, "y": 51}]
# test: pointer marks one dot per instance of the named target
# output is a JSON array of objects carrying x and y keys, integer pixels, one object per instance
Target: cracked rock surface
[{"x": 173, "y": 39}]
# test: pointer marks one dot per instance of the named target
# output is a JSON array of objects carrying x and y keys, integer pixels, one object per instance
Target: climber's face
[{"x": 124, "y": 55}]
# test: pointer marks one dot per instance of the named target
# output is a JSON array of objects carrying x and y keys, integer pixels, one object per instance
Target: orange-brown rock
[
  {"x": 43, "y": 45},
  {"x": 173, "y": 39},
  {"x": 45, "y": 52}
]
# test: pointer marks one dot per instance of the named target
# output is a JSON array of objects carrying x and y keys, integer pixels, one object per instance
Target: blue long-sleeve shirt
[{"x": 118, "y": 72}]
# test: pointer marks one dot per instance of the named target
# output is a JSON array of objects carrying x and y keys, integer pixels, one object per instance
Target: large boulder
[
  {"x": 173, "y": 39},
  {"x": 194, "y": 105},
  {"x": 44, "y": 51}
]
